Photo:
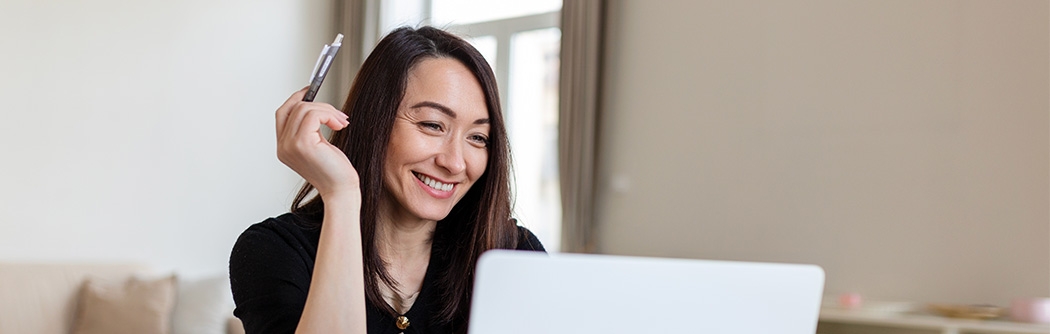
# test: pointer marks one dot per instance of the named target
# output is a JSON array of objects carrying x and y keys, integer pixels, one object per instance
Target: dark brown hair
[{"x": 479, "y": 222}]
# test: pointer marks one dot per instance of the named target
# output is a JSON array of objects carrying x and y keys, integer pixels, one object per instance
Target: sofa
[{"x": 63, "y": 298}]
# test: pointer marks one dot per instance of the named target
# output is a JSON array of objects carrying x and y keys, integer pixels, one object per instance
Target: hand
[{"x": 302, "y": 147}]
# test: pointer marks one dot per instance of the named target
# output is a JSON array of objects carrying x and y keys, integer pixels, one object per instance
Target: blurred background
[{"x": 904, "y": 146}]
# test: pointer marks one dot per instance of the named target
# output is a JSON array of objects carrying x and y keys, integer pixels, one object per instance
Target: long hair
[{"x": 478, "y": 222}]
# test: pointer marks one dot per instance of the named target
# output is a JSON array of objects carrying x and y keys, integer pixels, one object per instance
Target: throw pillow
[
  {"x": 136, "y": 306},
  {"x": 203, "y": 306}
]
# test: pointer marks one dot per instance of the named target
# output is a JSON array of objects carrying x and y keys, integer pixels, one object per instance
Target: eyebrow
[{"x": 445, "y": 110}]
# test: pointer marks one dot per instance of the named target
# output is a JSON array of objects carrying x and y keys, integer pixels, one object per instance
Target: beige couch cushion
[
  {"x": 204, "y": 306},
  {"x": 41, "y": 298},
  {"x": 234, "y": 326},
  {"x": 132, "y": 306}
]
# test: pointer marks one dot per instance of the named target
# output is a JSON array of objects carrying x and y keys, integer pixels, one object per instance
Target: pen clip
[
  {"x": 324, "y": 53},
  {"x": 317, "y": 65}
]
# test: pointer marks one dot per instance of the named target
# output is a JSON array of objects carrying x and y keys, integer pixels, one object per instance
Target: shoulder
[
  {"x": 285, "y": 230},
  {"x": 270, "y": 268},
  {"x": 528, "y": 241},
  {"x": 288, "y": 237}
]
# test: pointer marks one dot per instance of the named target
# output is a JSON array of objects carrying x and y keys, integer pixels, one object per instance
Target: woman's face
[{"x": 437, "y": 147}]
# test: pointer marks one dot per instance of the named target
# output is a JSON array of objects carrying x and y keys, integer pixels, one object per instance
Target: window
[{"x": 521, "y": 41}]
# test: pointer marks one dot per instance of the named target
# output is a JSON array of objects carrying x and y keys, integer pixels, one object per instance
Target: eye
[
  {"x": 480, "y": 140},
  {"x": 431, "y": 126}
]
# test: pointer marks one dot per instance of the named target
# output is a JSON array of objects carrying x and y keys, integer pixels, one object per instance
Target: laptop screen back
[{"x": 527, "y": 292}]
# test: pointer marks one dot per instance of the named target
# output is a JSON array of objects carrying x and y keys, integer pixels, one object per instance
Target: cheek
[
  {"x": 392, "y": 161},
  {"x": 406, "y": 147},
  {"x": 476, "y": 163}
]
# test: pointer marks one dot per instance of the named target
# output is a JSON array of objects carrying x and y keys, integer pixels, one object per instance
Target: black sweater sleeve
[{"x": 270, "y": 268}]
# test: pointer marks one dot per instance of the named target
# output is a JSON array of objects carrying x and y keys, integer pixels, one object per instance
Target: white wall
[
  {"x": 902, "y": 145},
  {"x": 142, "y": 130}
]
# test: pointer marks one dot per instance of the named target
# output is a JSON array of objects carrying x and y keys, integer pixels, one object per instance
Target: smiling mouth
[{"x": 433, "y": 183}]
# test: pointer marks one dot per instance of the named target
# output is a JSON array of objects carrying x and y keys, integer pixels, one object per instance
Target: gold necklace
[
  {"x": 399, "y": 306},
  {"x": 402, "y": 321}
]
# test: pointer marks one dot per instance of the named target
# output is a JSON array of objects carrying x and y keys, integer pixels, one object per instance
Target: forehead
[{"x": 448, "y": 82}]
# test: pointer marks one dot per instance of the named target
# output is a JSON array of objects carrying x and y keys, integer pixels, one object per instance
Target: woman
[{"x": 413, "y": 186}]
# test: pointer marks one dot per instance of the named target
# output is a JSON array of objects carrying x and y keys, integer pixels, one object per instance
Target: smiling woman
[{"x": 412, "y": 187}]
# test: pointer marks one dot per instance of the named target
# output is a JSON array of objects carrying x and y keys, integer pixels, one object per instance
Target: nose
[{"x": 451, "y": 158}]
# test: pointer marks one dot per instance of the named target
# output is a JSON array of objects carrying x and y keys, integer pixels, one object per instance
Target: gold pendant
[{"x": 402, "y": 322}]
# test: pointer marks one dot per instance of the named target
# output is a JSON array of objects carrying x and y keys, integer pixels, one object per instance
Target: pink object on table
[
  {"x": 1035, "y": 310},
  {"x": 850, "y": 300}
]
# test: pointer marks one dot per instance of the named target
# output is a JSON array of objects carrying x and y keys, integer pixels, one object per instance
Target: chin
[{"x": 434, "y": 214}]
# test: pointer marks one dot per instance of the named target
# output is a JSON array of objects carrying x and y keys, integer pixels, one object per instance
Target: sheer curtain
[
  {"x": 351, "y": 22},
  {"x": 579, "y": 85}
]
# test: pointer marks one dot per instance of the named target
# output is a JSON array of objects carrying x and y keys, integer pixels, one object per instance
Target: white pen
[{"x": 324, "y": 63}]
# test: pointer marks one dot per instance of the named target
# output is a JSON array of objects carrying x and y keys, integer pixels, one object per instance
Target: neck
[{"x": 403, "y": 239}]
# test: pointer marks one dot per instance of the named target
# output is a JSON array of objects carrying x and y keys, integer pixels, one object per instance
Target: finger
[
  {"x": 282, "y": 112},
  {"x": 337, "y": 114},
  {"x": 337, "y": 121},
  {"x": 312, "y": 112},
  {"x": 287, "y": 141},
  {"x": 311, "y": 124},
  {"x": 342, "y": 117},
  {"x": 295, "y": 119}
]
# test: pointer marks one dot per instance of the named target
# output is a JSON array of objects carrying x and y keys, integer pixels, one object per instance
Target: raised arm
[{"x": 335, "y": 302}]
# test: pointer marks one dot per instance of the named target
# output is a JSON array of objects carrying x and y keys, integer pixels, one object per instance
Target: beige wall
[
  {"x": 902, "y": 145},
  {"x": 143, "y": 130}
]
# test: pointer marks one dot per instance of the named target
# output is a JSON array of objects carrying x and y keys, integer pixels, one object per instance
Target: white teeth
[{"x": 433, "y": 183}]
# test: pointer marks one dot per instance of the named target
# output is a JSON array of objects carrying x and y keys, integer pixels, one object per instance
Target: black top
[{"x": 270, "y": 269}]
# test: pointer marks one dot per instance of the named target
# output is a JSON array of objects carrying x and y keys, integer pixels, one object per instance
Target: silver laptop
[{"x": 529, "y": 292}]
